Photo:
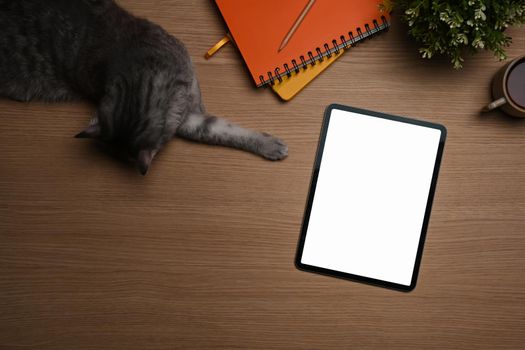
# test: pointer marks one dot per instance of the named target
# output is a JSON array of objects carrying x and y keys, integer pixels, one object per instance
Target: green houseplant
[{"x": 454, "y": 27}]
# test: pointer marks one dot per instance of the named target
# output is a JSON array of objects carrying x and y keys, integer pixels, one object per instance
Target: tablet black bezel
[{"x": 313, "y": 184}]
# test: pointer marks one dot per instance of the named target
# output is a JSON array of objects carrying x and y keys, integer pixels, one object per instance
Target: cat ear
[
  {"x": 91, "y": 132},
  {"x": 144, "y": 160}
]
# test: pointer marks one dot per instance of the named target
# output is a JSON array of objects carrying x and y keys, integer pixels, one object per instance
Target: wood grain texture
[{"x": 199, "y": 254}]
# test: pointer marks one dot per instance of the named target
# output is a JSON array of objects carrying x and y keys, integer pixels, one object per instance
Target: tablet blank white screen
[{"x": 371, "y": 195}]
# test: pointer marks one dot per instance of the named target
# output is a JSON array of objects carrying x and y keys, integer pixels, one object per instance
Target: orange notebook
[{"x": 259, "y": 26}]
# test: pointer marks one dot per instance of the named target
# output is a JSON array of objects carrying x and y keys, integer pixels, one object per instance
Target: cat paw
[{"x": 273, "y": 148}]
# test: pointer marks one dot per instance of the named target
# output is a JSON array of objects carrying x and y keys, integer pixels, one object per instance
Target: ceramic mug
[{"x": 508, "y": 88}]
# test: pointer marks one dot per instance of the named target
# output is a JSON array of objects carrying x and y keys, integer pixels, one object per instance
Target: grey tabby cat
[{"x": 140, "y": 77}]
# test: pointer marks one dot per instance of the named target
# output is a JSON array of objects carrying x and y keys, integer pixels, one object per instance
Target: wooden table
[{"x": 199, "y": 253}]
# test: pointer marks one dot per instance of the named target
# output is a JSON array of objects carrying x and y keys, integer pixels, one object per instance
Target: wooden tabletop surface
[{"x": 199, "y": 253}]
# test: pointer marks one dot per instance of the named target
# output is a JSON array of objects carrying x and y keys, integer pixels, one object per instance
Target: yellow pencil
[{"x": 296, "y": 24}]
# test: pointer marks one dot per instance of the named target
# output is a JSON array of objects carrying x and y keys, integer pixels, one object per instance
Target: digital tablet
[{"x": 370, "y": 197}]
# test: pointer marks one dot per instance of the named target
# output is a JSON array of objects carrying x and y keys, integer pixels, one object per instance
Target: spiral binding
[{"x": 318, "y": 56}]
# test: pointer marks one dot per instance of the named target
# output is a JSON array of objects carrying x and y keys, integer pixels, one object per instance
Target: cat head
[
  {"x": 142, "y": 156},
  {"x": 140, "y": 112}
]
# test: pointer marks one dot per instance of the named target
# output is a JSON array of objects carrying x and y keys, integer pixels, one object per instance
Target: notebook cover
[
  {"x": 293, "y": 84},
  {"x": 258, "y": 28}
]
